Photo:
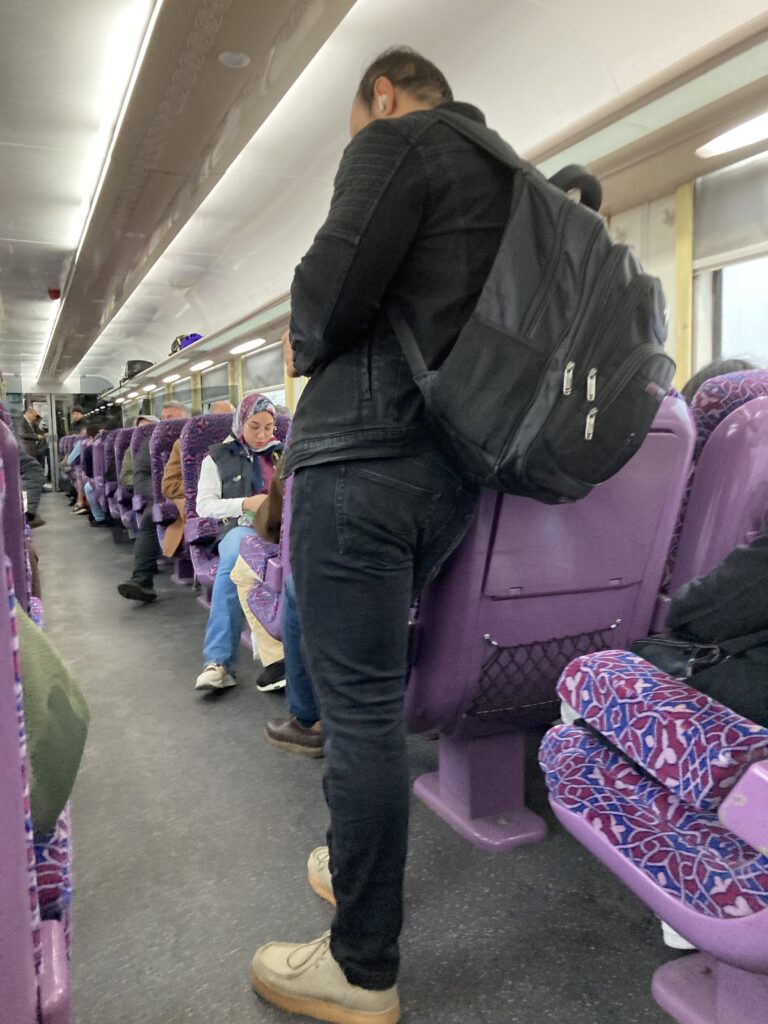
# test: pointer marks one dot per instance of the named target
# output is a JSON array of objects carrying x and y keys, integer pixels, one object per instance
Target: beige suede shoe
[
  {"x": 305, "y": 978},
  {"x": 319, "y": 874}
]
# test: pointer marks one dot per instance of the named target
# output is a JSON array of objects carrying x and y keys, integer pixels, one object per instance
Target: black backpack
[{"x": 555, "y": 379}]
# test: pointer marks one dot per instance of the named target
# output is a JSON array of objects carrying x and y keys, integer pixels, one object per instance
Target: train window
[
  {"x": 276, "y": 395},
  {"x": 743, "y": 303},
  {"x": 157, "y": 401},
  {"x": 182, "y": 391},
  {"x": 215, "y": 384},
  {"x": 263, "y": 370}
]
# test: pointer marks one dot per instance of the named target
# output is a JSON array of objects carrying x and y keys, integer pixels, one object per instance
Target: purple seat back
[
  {"x": 13, "y": 516},
  {"x": 163, "y": 440},
  {"x": 110, "y": 476},
  {"x": 122, "y": 444},
  {"x": 533, "y": 585},
  {"x": 197, "y": 437},
  {"x": 19, "y": 913},
  {"x": 120, "y": 506},
  {"x": 98, "y": 468}
]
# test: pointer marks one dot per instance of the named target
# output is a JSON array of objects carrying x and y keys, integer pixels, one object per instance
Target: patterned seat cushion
[
  {"x": 36, "y": 612},
  {"x": 262, "y": 600},
  {"x": 686, "y": 852},
  {"x": 689, "y": 742},
  {"x": 53, "y": 869}
]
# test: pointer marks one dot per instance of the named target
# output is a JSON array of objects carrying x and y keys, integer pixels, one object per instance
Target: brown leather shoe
[{"x": 289, "y": 734}]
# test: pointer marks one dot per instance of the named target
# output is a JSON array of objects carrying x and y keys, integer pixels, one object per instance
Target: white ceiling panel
[{"x": 533, "y": 67}]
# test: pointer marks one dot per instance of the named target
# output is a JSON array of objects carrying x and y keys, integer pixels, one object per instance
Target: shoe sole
[
  {"x": 296, "y": 748},
  {"x": 320, "y": 1009},
  {"x": 215, "y": 686},
  {"x": 129, "y": 593},
  {"x": 270, "y": 687},
  {"x": 322, "y": 891}
]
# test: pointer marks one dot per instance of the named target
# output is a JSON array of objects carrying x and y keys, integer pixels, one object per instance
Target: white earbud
[{"x": 382, "y": 103}]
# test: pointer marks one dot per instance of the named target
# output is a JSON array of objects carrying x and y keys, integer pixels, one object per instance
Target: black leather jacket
[{"x": 416, "y": 219}]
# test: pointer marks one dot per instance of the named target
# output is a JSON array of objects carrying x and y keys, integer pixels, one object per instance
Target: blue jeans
[
  {"x": 225, "y": 619},
  {"x": 299, "y": 694},
  {"x": 96, "y": 510}
]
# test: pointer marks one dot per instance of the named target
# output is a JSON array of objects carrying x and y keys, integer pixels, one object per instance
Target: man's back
[{"x": 417, "y": 217}]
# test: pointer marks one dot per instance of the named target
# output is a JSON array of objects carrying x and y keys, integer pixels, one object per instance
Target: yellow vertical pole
[{"x": 684, "y": 283}]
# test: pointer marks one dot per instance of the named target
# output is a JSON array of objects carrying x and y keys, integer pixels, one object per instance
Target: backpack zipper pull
[
  {"x": 568, "y": 378},
  {"x": 589, "y": 429},
  {"x": 592, "y": 385}
]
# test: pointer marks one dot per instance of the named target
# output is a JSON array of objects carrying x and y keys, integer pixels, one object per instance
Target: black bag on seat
[{"x": 555, "y": 379}]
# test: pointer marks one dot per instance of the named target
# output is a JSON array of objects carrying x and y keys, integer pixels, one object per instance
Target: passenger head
[
  {"x": 398, "y": 82},
  {"x": 174, "y": 411},
  {"x": 77, "y": 414},
  {"x": 254, "y": 421},
  {"x": 31, "y": 414},
  {"x": 143, "y": 418},
  {"x": 92, "y": 429},
  {"x": 714, "y": 369},
  {"x": 221, "y": 406}
]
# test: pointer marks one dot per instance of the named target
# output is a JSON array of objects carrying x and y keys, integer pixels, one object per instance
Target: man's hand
[
  {"x": 253, "y": 503},
  {"x": 290, "y": 369}
]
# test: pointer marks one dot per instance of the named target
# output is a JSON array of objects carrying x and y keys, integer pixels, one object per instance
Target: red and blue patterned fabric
[
  {"x": 687, "y": 741},
  {"x": 686, "y": 852},
  {"x": 675, "y": 754},
  {"x": 53, "y": 872}
]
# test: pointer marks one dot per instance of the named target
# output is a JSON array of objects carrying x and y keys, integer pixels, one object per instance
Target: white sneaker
[
  {"x": 214, "y": 677},
  {"x": 319, "y": 874}
]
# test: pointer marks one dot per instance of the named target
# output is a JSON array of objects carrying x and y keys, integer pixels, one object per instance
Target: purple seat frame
[
  {"x": 138, "y": 501},
  {"x": 27, "y": 995},
  {"x": 120, "y": 503},
  {"x": 13, "y": 517},
  {"x": 530, "y": 587},
  {"x": 165, "y": 512},
  {"x": 727, "y": 982},
  {"x": 110, "y": 485}
]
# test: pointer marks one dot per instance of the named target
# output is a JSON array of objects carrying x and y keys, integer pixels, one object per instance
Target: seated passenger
[
  {"x": 126, "y": 469},
  {"x": 75, "y": 458},
  {"x": 234, "y": 479},
  {"x": 98, "y": 516},
  {"x": 729, "y": 607},
  {"x": 301, "y": 733},
  {"x": 714, "y": 369},
  {"x": 173, "y": 487},
  {"x": 146, "y": 548}
]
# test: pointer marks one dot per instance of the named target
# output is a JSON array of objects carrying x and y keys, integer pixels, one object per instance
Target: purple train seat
[
  {"x": 140, "y": 434},
  {"x": 13, "y": 517},
  {"x": 34, "y": 980},
  {"x": 120, "y": 503},
  {"x": 529, "y": 588},
  {"x": 677, "y": 807},
  {"x": 726, "y": 502},
  {"x": 196, "y": 438},
  {"x": 110, "y": 475},
  {"x": 98, "y": 469},
  {"x": 165, "y": 512},
  {"x": 271, "y": 563}
]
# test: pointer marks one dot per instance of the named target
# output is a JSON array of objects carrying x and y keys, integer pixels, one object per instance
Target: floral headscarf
[{"x": 248, "y": 406}]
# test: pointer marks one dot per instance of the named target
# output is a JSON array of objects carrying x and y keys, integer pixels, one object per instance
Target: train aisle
[{"x": 191, "y": 838}]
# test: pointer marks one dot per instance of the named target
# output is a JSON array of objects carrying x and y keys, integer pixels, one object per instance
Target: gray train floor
[{"x": 191, "y": 836}]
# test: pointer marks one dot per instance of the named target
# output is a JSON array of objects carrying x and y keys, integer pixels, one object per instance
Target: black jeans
[
  {"x": 146, "y": 549},
  {"x": 366, "y": 536}
]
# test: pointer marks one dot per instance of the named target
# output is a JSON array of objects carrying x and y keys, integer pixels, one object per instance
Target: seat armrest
[
  {"x": 199, "y": 530},
  {"x": 164, "y": 512},
  {"x": 687, "y": 741},
  {"x": 745, "y": 809}
]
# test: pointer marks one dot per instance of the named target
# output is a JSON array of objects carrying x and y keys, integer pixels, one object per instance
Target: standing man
[
  {"x": 416, "y": 219},
  {"x": 146, "y": 547}
]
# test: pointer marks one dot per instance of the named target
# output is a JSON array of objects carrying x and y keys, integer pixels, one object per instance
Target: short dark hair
[
  {"x": 408, "y": 70},
  {"x": 714, "y": 369}
]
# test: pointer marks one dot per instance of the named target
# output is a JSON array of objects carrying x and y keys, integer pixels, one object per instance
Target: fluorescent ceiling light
[
  {"x": 171, "y": 378},
  {"x": 247, "y": 346},
  {"x": 747, "y": 134},
  {"x": 119, "y": 401},
  {"x": 133, "y": 394},
  {"x": 202, "y": 365},
  {"x": 149, "y": 387}
]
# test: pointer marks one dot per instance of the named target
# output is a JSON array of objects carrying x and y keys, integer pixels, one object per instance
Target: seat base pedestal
[
  {"x": 699, "y": 989},
  {"x": 478, "y": 790}
]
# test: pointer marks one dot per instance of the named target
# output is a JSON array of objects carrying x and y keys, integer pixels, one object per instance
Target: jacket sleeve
[
  {"x": 126, "y": 470},
  {"x": 729, "y": 601},
  {"x": 377, "y": 205},
  {"x": 142, "y": 471},
  {"x": 173, "y": 482},
  {"x": 74, "y": 455},
  {"x": 269, "y": 515},
  {"x": 210, "y": 503}
]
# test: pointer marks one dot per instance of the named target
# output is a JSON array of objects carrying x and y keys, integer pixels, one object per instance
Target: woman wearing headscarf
[{"x": 234, "y": 480}]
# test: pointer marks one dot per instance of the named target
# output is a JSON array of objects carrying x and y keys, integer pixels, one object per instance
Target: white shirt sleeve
[{"x": 209, "y": 500}]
